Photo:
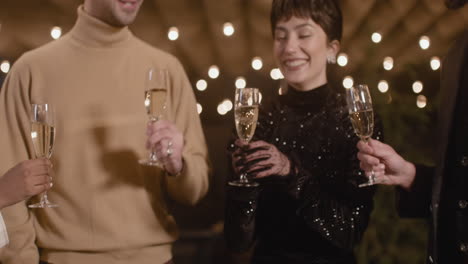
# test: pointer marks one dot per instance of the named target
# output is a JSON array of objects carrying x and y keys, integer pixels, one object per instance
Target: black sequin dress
[{"x": 317, "y": 214}]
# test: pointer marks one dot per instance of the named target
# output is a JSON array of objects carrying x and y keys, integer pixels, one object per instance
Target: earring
[{"x": 331, "y": 60}]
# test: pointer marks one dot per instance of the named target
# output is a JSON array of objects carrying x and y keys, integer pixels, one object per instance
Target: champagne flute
[
  {"x": 155, "y": 104},
  {"x": 43, "y": 138},
  {"x": 361, "y": 114},
  {"x": 245, "y": 116}
]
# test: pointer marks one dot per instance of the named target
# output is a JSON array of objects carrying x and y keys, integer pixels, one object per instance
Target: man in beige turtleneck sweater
[{"x": 111, "y": 209}]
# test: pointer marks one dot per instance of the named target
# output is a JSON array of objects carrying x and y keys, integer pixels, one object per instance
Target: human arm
[
  {"x": 387, "y": 165},
  {"x": 240, "y": 214},
  {"x": 325, "y": 184},
  {"x": 188, "y": 164},
  {"x": 15, "y": 99},
  {"x": 414, "y": 181},
  {"x": 28, "y": 178}
]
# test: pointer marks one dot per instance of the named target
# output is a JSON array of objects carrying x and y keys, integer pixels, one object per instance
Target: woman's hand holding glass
[
  {"x": 167, "y": 142},
  {"x": 42, "y": 118},
  {"x": 26, "y": 179},
  {"x": 259, "y": 159}
]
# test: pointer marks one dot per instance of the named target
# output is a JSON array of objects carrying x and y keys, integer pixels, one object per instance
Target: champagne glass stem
[
  {"x": 371, "y": 181},
  {"x": 152, "y": 155}
]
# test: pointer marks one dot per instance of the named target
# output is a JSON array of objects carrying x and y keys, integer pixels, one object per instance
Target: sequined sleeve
[
  {"x": 239, "y": 223},
  {"x": 331, "y": 202},
  {"x": 240, "y": 211}
]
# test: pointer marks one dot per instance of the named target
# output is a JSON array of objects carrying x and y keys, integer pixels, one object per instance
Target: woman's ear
[{"x": 333, "y": 49}]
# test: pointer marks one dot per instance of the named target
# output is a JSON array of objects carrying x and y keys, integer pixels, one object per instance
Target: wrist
[
  {"x": 287, "y": 168},
  {"x": 177, "y": 171},
  {"x": 409, "y": 175},
  {"x": 3, "y": 200}
]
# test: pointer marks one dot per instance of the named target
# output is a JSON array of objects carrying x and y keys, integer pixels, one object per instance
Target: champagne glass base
[
  {"x": 240, "y": 183},
  {"x": 153, "y": 163},
  {"x": 372, "y": 181},
  {"x": 43, "y": 205}
]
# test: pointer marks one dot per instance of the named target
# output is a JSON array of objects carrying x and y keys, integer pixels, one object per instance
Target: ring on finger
[{"x": 169, "y": 150}]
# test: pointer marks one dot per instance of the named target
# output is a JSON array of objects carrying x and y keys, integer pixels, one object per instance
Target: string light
[
  {"x": 240, "y": 82},
  {"x": 228, "y": 29},
  {"x": 388, "y": 63},
  {"x": 342, "y": 59},
  {"x": 421, "y": 101},
  {"x": 383, "y": 86},
  {"x": 281, "y": 90},
  {"x": 376, "y": 37},
  {"x": 173, "y": 33},
  {"x": 199, "y": 108},
  {"x": 417, "y": 87},
  {"x": 224, "y": 107},
  {"x": 435, "y": 63},
  {"x": 257, "y": 63},
  {"x": 348, "y": 82},
  {"x": 276, "y": 74},
  {"x": 56, "y": 32},
  {"x": 227, "y": 104},
  {"x": 201, "y": 85},
  {"x": 213, "y": 72},
  {"x": 5, "y": 66},
  {"x": 424, "y": 42},
  {"x": 221, "y": 109}
]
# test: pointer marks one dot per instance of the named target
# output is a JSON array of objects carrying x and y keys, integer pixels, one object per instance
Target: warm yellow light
[
  {"x": 213, "y": 72},
  {"x": 383, "y": 86},
  {"x": 276, "y": 74},
  {"x": 342, "y": 59},
  {"x": 257, "y": 63},
  {"x": 421, "y": 101},
  {"x": 280, "y": 90},
  {"x": 435, "y": 63},
  {"x": 376, "y": 37},
  {"x": 201, "y": 85},
  {"x": 227, "y": 104},
  {"x": 173, "y": 33},
  {"x": 388, "y": 63},
  {"x": 348, "y": 82},
  {"x": 228, "y": 29},
  {"x": 417, "y": 87},
  {"x": 56, "y": 32},
  {"x": 240, "y": 82},
  {"x": 424, "y": 42},
  {"x": 224, "y": 107},
  {"x": 5, "y": 66},
  {"x": 221, "y": 109}
]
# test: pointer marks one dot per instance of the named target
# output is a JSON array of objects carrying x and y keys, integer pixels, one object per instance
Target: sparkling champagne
[
  {"x": 246, "y": 121},
  {"x": 155, "y": 102},
  {"x": 363, "y": 123},
  {"x": 43, "y": 137}
]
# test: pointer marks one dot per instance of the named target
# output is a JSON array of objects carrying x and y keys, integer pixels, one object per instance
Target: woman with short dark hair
[{"x": 308, "y": 207}]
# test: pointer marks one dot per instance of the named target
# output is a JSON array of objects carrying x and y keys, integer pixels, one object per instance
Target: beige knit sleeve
[
  {"x": 192, "y": 184},
  {"x": 16, "y": 147}
]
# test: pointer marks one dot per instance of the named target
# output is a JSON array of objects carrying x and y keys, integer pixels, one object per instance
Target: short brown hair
[
  {"x": 454, "y": 4},
  {"x": 326, "y": 13}
]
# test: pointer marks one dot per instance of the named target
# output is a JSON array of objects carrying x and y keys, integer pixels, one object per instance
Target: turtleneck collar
[
  {"x": 96, "y": 33},
  {"x": 315, "y": 97}
]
